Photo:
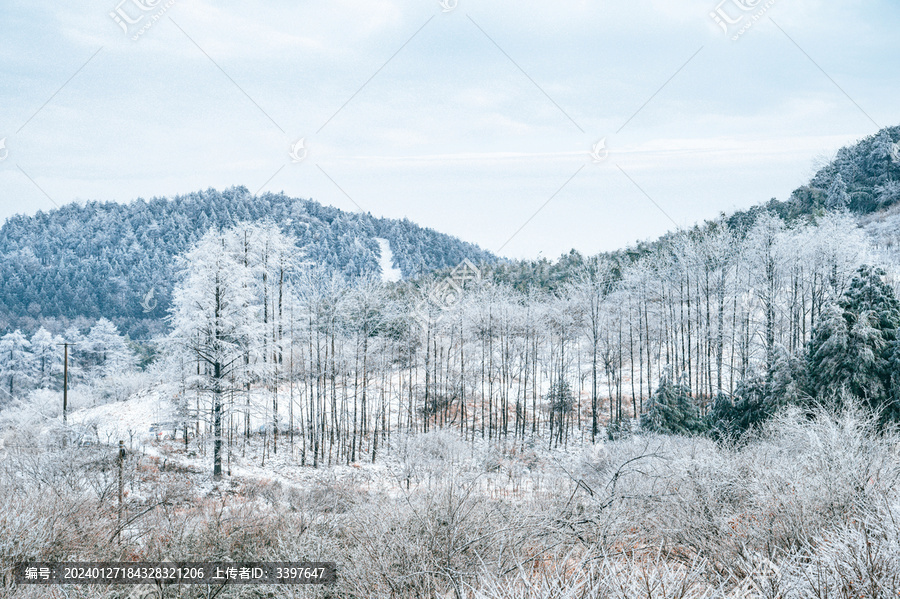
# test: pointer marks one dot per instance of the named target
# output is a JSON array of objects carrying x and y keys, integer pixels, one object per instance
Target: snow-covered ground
[
  {"x": 386, "y": 261},
  {"x": 133, "y": 421},
  {"x": 150, "y": 414},
  {"x": 145, "y": 422}
]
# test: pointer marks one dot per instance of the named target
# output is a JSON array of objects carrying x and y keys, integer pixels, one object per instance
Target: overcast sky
[{"x": 476, "y": 118}]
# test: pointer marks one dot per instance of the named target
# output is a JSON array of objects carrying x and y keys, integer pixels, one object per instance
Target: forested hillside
[
  {"x": 735, "y": 385},
  {"x": 81, "y": 262},
  {"x": 863, "y": 179}
]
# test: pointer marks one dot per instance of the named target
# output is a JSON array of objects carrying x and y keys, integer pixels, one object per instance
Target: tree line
[
  {"x": 344, "y": 364},
  {"x": 81, "y": 262}
]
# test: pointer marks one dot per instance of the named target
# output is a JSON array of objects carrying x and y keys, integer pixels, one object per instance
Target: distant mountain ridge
[
  {"x": 862, "y": 178},
  {"x": 103, "y": 259},
  {"x": 81, "y": 262}
]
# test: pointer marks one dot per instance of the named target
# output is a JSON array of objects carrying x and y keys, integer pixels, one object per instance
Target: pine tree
[
  {"x": 757, "y": 398},
  {"x": 751, "y": 405},
  {"x": 879, "y": 157},
  {"x": 561, "y": 401},
  {"x": 837, "y": 197},
  {"x": 673, "y": 410},
  {"x": 855, "y": 344}
]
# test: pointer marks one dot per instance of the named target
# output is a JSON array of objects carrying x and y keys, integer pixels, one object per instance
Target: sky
[{"x": 529, "y": 128}]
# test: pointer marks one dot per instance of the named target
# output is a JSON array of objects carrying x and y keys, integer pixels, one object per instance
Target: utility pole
[
  {"x": 65, "y": 383},
  {"x": 121, "y": 463},
  {"x": 65, "y": 380},
  {"x": 65, "y": 377}
]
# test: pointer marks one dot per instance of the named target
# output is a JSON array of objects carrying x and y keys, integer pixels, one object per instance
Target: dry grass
[{"x": 805, "y": 509}]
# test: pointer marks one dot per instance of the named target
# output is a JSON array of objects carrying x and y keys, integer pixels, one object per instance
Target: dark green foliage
[
  {"x": 788, "y": 379},
  {"x": 561, "y": 398},
  {"x": 837, "y": 197},
  {"x": 862, "y": 177},
  {"x": 869, "y": 292},
  {"x": 855, "y": 347},
  {"x": 854, "y": 350},
  {"x": 618, "y": 430},
  {"x": 757, "y": 398},
  {"x": 561, "y": 401},
  {"x": 672, "y": 410},
  {"x": 862, "y": 170},
  {"x": 731, "y": 417},
  {"x": 891, "y": 410}
]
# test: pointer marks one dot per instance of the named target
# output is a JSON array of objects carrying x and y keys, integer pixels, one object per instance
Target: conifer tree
[
  {"x": 673, "y": 410},
  {"x": 855, "y": 344}
]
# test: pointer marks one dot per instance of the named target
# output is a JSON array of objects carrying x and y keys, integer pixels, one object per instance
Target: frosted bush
[
  {"x": 647, "y": 575},
  {"x": 858, "y": 559},
  {"x": 431, "y": 455},
  {"x": 42, "y": 405}
]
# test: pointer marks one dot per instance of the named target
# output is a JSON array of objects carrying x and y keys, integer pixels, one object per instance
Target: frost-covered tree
[
  {"x": 48, "y": 357},
  {"x": 855, "y": 344},
  {"x": 365, "y": 318},
  {"x": 837, "y": 197},
  {"x": 766, "y": 253},
  {"x": 107, "y": 350},
  {"x": 116, "y": 253},
  {"x": 750, "y": 406},
  {"x": 882, "y": 149},
  {"x": 672, "y": 410},
  {"x": 271, "y": 258},
  {"x": 590, "y": 290},
  {"x": 758, "y": 397},
  {"x": 561, "y": 402},
  {"x": 215, "y": 319},
  {"x": 16, "y": 363},
  {"x": 787, "y": 382},
  {"x": 887, "y": 194}
]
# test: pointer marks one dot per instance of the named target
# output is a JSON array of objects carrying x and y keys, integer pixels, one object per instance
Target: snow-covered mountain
[{"x": 84, "y": 261}]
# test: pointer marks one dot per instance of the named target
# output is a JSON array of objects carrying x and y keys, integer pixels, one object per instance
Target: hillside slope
[
  {"x": 103, "y": 259},
  {"x": 863, "y": 178}
]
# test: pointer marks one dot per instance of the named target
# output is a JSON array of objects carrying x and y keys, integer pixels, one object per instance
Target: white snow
[
  {"x": 129, "y": 420},
  {"x": 386, "y": 261}
]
